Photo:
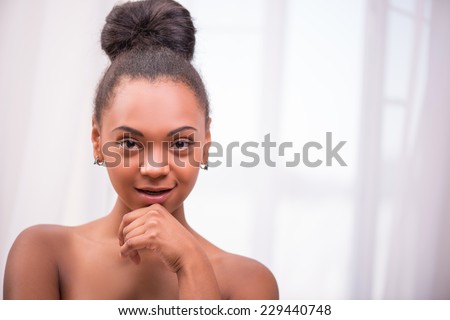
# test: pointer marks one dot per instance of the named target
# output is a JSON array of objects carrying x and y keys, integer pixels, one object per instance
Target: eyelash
[
  {"x": 187, "y": 144},
  {"x": 122, "y": 142}
]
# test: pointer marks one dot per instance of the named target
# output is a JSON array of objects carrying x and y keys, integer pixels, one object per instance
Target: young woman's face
[{"x": 153, "y": 138}]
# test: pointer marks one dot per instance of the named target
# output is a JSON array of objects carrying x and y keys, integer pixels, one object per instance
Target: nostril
[{"x": 154, "y": 170}]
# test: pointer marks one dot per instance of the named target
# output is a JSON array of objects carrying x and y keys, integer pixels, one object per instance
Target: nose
[{"x": 155, "y": 164}]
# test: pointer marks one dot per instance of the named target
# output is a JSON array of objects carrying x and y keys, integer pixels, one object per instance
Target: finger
[
  {"x": 132, "y": 216},
  {"x": 136, "y": 224},
  {"x": 135, "y": 257},
  {"x": 142, "y": 241},
  {"x": 132, "y": 233},
  {"x": 127, "y": 219},
  {"x": 149, "y": 220}
]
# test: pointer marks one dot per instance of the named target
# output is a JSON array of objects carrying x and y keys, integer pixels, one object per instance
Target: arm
[
  {"x": 196, "y": 278},
  {"x": 155, "y": 229},
  {"x": 31, "y": 271}
]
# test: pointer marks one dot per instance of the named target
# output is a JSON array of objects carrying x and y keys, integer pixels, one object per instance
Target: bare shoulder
[
  {"x": 42, "y": 232},
  {"x": 41, "y": 238},
  {"x": 247, "y": 278},
  {"x": 31, "y": 269}
]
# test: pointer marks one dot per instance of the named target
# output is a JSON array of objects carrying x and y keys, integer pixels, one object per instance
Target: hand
[{"x": 154, "y": 228}]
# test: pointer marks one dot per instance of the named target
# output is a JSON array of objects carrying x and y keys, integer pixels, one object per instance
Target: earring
[
  {"x": 204, "y": 166},
  {"x": 99, "y": 162}
]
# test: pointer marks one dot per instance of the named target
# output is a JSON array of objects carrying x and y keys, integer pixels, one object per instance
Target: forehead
[{"x": 153, "y": 106}]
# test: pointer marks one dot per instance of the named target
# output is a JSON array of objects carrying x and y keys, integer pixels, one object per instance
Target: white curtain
[
  {"x": 375, "y": 74},
  {"x": 419, "y": 257}
]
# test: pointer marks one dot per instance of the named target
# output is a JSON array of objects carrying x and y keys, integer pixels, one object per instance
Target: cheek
[
  {"x": 186, "y": 175},
  {"x": 120, "y": 176}
]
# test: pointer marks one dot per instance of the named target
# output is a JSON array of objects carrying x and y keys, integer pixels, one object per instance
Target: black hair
[{"x": 151, "y": 39}]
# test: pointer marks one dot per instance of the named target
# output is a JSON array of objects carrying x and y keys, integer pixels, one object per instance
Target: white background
[{"x": 375, "y": 73}]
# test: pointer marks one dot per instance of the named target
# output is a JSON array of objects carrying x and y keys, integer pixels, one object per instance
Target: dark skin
[{"x": 142, "y": 249}]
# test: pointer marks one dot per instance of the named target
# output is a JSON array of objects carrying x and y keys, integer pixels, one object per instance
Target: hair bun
[{"x": 142, "y": 24}]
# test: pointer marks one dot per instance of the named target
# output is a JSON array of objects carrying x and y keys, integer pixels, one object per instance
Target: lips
[
  {"x": 154, "y": 195},
  {"x": 154, "y": 192}
]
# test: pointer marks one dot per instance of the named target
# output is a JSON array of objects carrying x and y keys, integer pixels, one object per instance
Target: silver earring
[
  {"x": 99, "y": 162},
  {"x": 204, "y": 166}
]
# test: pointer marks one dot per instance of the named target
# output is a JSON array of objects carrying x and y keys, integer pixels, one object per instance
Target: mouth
[
  {"x": 151, "y": 196},
  {"x": 154, "y": 193}
]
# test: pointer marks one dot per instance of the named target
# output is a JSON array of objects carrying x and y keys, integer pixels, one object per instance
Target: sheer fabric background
[{"x": 375, "y": 73}]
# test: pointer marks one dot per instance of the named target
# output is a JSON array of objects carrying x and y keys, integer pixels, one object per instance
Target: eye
[
  {"x": 180, "y": 144},
  {"x": 129, "y": 144}
]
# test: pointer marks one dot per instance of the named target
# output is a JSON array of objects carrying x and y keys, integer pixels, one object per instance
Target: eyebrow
[
  {"x": 138, "y": 133},
  {"x": 129, "y": 129}
]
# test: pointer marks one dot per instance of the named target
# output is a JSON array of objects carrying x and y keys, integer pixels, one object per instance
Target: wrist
[
  {"x": 194, "y": 260},
  {"x": 197, "y": 279}
]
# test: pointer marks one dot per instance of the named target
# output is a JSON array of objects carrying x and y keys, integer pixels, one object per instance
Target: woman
[{"x": 150, "y": 129}]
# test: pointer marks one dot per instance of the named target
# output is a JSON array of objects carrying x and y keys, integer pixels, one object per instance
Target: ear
[
  {"x": 207, "y": 142},
  {"x": 96, "y": 139}
]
